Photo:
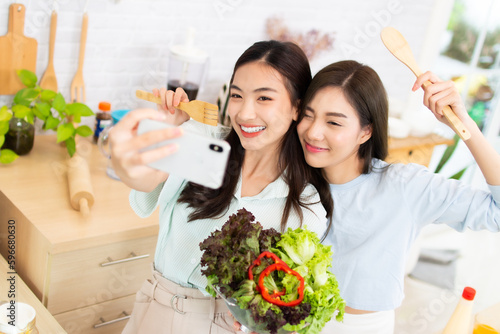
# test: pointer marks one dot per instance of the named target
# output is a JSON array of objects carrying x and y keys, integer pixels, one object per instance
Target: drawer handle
[
  {"x": 132, "y": 257},
  {"x": 105, "y": 323}
]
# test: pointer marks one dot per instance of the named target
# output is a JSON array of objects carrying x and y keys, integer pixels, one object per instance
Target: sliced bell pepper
[
  {"x": 257, "y": 262},
  {"x": 274, "y": 298},
  {"x": 280, "y": 265}
]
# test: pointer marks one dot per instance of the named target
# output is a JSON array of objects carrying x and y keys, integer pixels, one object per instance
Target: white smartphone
[{"x": 200, "y": 159}]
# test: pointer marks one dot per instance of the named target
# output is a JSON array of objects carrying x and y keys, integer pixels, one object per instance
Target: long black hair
[{"x": 291, "y": 62}]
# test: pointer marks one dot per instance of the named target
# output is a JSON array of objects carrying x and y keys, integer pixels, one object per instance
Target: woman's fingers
[
  {"x": 440, "y": 94},
  {"x": 180, "y": 96},
  {"x": 141, "y": 142},
  {"x": 421, "y": 79},
  {"x": 131, "y": 120}
]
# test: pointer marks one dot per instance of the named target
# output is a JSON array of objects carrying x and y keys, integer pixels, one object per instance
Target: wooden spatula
[
  {"x": 49, "y": 80},
  {"x": 398, "y": 46},
  {"x": 200, "y": 111},
  {"x": 77, "y": 85}
]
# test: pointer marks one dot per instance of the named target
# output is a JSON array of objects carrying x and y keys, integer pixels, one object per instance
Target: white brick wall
[{"x": 128, "y": 40}]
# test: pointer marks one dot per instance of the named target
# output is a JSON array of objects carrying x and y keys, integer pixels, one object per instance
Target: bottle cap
[
  {"x": 104, "y": 106},
  {"x": 469, "y": 293}
]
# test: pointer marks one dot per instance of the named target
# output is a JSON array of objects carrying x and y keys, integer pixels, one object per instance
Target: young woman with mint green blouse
[{"x": 266, "y": 174}]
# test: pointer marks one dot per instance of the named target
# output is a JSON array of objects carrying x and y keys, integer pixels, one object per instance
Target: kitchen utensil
[
  {"x": 398, "y": 46},
  {"x": 80, "y": 185},
  {"x": 77, "y": 85},
  {"x": 200, "y": 111},
  {"x": 17, "y": 52},
  {"x": 49, "y": 80}
]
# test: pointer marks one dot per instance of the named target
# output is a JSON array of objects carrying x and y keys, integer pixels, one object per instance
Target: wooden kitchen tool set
[{"x": 20, "y": 52}]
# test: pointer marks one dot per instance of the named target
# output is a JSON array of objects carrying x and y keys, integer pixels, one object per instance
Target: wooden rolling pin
[{"x": 81, "y": 193}]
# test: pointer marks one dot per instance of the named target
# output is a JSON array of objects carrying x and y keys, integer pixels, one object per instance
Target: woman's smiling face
[
  {"x": 260, "y": 107},
  {"x": 331, "y": 134}
]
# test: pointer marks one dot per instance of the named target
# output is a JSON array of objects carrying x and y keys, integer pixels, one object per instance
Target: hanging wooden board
[{"x": 17, "y": 51}]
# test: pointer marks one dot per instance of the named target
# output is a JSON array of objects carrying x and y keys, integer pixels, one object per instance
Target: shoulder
[{"x": 401, "y": 172}]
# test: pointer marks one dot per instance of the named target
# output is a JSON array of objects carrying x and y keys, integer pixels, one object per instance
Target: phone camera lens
[{"x": 216, "y": 148}]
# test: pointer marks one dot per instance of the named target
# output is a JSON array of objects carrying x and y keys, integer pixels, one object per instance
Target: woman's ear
[{"x": 366, "y": 133}]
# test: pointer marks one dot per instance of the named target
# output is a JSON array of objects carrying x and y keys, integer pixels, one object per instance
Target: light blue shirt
[
  {"x": 377, "y": 217},
  {"x": 178, "y": 252}
]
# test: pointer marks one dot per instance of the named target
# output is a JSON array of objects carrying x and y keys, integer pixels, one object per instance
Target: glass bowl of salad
[{"x": 244, "y": 317}]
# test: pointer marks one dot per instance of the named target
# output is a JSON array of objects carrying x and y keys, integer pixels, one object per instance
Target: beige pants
[{"x": 163, "y": 307}]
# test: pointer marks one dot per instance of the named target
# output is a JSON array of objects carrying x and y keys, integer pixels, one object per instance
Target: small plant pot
[{"x": 20, "y": 137}]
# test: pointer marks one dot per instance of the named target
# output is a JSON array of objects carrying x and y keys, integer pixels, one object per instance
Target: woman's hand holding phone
[{"x": 128, "y": 156}]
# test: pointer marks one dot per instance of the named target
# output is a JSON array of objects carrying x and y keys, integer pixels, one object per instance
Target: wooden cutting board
[{"x": 17, "y": 51}]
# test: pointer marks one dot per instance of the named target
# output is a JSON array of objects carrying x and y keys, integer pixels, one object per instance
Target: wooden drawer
[
  {"x": 86, "y": 277},
  {"x": 103, "y": 315}
]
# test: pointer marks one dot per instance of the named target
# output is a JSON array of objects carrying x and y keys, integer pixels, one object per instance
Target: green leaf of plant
[
  {"x": 42, "y": 110},
  {"x": 447, "y": 154},
  {"x": 71, "y": 146},
  {"x": 5, "y": 115},
  {"x": 48, "y": 95},
  {"x": 28, "y": 78},
  {"x": 80, "y": 109},
  {"x": 4, "y": 127},
  {"x": 76, "y": 119},
  {"x": 459, "y": 175},
  {"x": 26, "y": 95},
  {"x": 65, "y": 131},
  {"x": 7, "y": 156},
  {"x": 30, "y": 118},
  {"x": 59, "y": 104},
  {"x": 84, "y": 131},
  {"x": 51, "y": 123},
  {"x": 2, "y": 140},
  {"x": 21, "y": 111}
]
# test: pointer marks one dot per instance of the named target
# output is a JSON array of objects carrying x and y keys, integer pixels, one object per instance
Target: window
[{"x": 470, "y": 54}]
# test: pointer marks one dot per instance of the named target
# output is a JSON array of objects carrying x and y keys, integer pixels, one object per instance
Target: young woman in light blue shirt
[
  {"x": 267, "y": 174},
  {"x": 380, "y": 208}
]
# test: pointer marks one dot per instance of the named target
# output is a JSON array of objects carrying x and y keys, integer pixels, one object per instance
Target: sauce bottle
[
  {"x": 460, "y": 320},
  {"x": 102, "y": 119}
]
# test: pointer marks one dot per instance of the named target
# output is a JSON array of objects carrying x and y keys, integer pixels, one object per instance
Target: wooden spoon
[
  {"x": 49, "y": 80},
  {"x": 398, "y": 46}
]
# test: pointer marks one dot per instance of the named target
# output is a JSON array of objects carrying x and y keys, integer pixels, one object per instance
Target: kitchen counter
[
  {"x": 415, "y": 149},
  {"x": 45, "y": 322},
  {"x": 37, "y": 185},
  {"x": 84, "y": 270}
]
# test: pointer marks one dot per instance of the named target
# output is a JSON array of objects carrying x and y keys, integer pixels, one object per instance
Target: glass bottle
[
  {"x": 20, "y": 137},
  {"x": 102, "y": 119}
]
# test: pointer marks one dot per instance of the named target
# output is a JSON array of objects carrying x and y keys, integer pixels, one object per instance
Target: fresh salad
[{"x": 283, "y": 279}]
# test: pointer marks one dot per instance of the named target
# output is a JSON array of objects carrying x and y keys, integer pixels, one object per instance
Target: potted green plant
[{"x": 16, "y": 122}]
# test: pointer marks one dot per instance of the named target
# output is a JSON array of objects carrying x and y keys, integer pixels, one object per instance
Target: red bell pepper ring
[
  {"x": 257, "y": 262},
  {"x": 275, "y": 297}
]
